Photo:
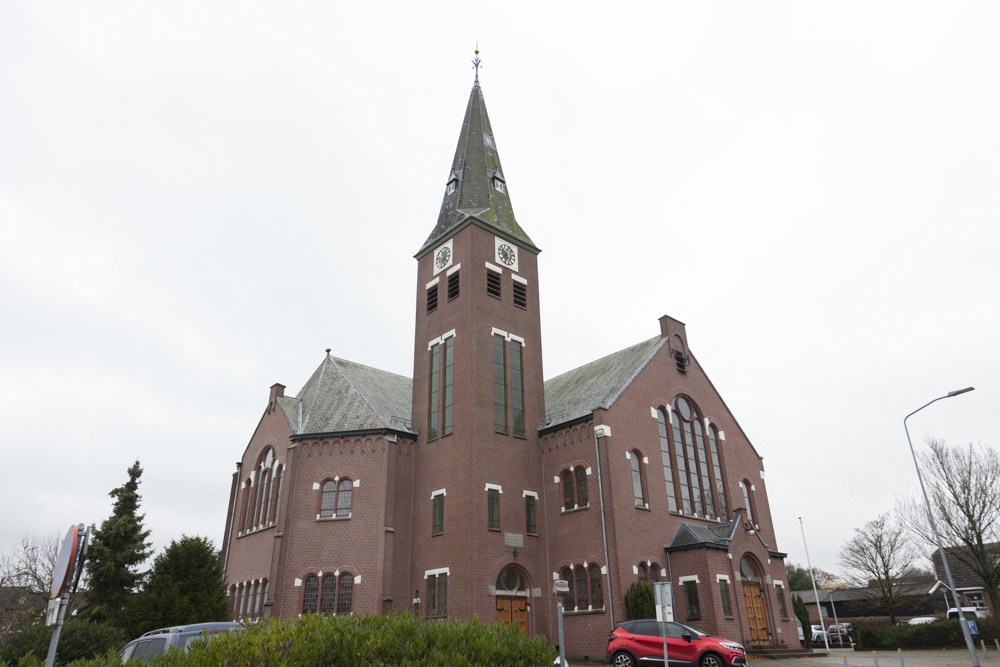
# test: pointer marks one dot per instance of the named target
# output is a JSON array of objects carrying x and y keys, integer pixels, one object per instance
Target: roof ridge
[
  {"x": 356, "y": 390},
  {"x": 610, "y": 354},
  {"x": 356, "y": 363},
  {"x": 636, "y": 374}
]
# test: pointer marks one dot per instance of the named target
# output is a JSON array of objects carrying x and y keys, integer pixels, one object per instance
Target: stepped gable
[
  {"x": 343, "y": 396},
  {"x": 598, "y": 384}
]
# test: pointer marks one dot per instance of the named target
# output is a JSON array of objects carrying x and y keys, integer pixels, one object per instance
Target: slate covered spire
[{"x": 471, "y": 193}]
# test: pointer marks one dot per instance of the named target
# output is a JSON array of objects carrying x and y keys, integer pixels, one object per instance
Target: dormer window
[
  {"x": 498, "y": 185},
  {"x": 451, "y": 187}
]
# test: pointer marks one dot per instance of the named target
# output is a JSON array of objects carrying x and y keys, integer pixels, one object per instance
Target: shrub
[
  {"x": 939, "y": 634},
  {"x": 358, "y": 641},
  {"x": 79, "y": 639},
  {"x": 802, "y": 613},
  {"x": 640, "y": 602}
]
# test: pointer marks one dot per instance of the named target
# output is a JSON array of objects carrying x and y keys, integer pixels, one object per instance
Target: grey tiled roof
[
  {"x": 475, "y": 199},
  {"x": 959, "y": 559},
  {"x": 691, "y": 534},
  {"x": 597, "y": 384},
  {"x": 345, "y": 396}
]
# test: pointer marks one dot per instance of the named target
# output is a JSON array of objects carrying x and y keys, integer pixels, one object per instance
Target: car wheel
[
  {"x": 711, "y": 660},
  {"x": 623, "y": 659}
]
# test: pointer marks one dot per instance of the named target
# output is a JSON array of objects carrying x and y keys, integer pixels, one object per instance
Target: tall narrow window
[
  {"x": 344, "y": 497},
  {"x": 449, "y": 382},
  {"x": 437, "y": 595},
  {"x": 432, "y": 298},
  {"x": 780, "y": 590},
  {"x": 745, "y": 485},
  {"x": 246, "y": 507},
  {"x": 668, "y": 473},
  {"x": 256, "y": 600},
  {"x": 529, "y": 515},
  {"x": 638, "y": 489},
  {"x": 706, "y": 486},
  {"x": 567, "y": 576},
  {"x": 596, "y": 594},
  {"x": 266, "y": 516},
  {"x": 692, "y": 466},
  {"x": 442, "y": 606},
  {"x": 328, "y": 503},
  {"x": 720, "y": 487},
  {"x": 328, "y": 595},
  {"x": 453, "y": 286},
  {"x": 264, "y": 591},
  {"x": 435, "y": 390},
  {"x": 516, "y": 391},
  {"x": 277, "y": 492},
  {"x": 693, "y": 605},
  {"x": 520, "y": 295},
  {"x": 238, "y": 607},
  {"x": 727, "y": 605},
  {"x": 345, "y": 594},
  {"x": 499, "y": 385},
  {"x": 310, "y": 594},
  {"x": 493, "y": 283},
  {"x": 581, "y": 487},
  {"x": 493, "y": 510},
  {"x": 643, "y": 573},
  {"x": 233, "y": 599},
  {"x": 438, "y": 514},
  {"x": 582, "y": 588},
  {"x": 569, "y": 501}
]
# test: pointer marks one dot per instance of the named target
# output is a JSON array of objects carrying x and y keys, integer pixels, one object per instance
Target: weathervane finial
[{"x": 476, "y": 62}]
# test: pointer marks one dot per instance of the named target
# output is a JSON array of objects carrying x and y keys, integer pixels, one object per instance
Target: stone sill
[
  {"x": 333, "y": 518},
  {"x": 255, "y": 531},
  {"x": 696, "y": 517},
  {"x": 583, "y": 612},
  {"x": 575, "y": 509}
]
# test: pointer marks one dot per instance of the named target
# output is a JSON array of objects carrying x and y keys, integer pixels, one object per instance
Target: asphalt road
[{"x": 938, "y": 658}]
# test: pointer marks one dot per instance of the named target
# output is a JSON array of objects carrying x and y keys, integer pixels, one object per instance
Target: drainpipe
[
  {"x": 232, "y": 522},
  {"x": 598, "y": 432}
]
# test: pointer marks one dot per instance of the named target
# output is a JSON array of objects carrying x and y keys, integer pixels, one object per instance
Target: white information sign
[{"x": 664, "y": 601}]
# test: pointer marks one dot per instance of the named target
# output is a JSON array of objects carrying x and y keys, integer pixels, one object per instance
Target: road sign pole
[{"x": 54, "y": 642}]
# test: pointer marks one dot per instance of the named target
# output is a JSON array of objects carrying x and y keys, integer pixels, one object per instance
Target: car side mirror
[{"x": 686, "y": 637}]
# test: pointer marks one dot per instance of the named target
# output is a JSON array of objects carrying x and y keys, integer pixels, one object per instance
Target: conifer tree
[
  {"x": 119, "y": 547},
  {"x": 185, "y": 586}
]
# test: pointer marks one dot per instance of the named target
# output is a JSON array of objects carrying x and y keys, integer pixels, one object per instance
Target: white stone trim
[
  {"x": 762, "y": 474},
  {"x": 315, "y": 486},
  {"x": 499, "y": 332},
  {"x": 635, "y": 569},
  {"x": 722, "y": 435},
  {"x": 356, "y": 483},
  {"x": 779, "y": 582},
  {"x": 439, "y": 492},
  {"x": 670, "y": 414},
  {"x": 440, "y": 339},
  {"x": 604, "y": 569},
  {"x": 533, "y": 494},
  {"x": 556, "y": 479},
  {"x": 440, "y": 570},
  {"x": 517, "y": 338},
  {"x": 602, "y": 430},
  {"x": 652, "y": 413},
  {"x": 645, "y": 460},
  {"x": 494, "y": 268},
  {"x": 433, "y": 283},
  {"x": 298, "y": 582},
  {"x": 555, "y": 576},
  {"x": 722, "y": 577},
  {"x": 519, "y": 279},
  {"x": 589, "y": 471},
  {"x": 494, "y": 487},
  {"x": 454, "y": 269},
  {"x": 663, "y": 571},
  {"x": 357, "y": 579},
  {"x": 449, "y": 334},
  {"x": 628, "y": 455},
  {"x": 688, "y": 577}
]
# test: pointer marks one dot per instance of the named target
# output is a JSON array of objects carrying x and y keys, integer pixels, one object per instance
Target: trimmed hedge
[
  {"x": 355, "y": 641},
  {"x": 78, "y": 639},
  {"x": 939, "y": 634}
]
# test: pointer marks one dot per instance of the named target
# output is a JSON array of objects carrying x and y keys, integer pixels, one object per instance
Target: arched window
[
  {"x": 234, "y": 597},
  {"x": 345, "y": 595},
  {"x": 748, "y": 571},
  {"x": 277, "y": 492},
  {"x": 654, "y": 573},
  {"x": 239, "y": 606},
  {"x": 643, "y": 573},
  {"x": 596, "y": 594},
  {"x": 328, "y": 598},
  {"x": 310, "y": 594},
  {"x": 567, "y": 576},
  {"x": 694, "y": 467},
  {"x": 344, "y": 498},
  {"x": 668, "y": 473},
  {"x": 328, "y": 503},
  {"x": 568, "y": 498},
  {"x": 747, "y": 500},
  {"x": 582, "y": 586},
  {"x": 581, "y": 487},
  {"x": 638, "y": 485},
  {"x": 246, "y": 506},
  {"x": 256, "y": 600},
  {"x": 264, "y": 592}
]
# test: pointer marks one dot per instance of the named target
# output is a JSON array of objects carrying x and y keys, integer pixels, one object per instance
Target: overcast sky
[{"x": 196, "y": 199}]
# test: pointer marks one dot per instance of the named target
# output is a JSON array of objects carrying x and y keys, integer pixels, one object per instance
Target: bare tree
[
  {"x": 963, "y": 485},
  {"x": 877, "y": 561},
  {"x": 25, "y": 578}
]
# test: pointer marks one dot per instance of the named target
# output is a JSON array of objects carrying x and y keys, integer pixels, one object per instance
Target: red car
[{"x": 635, "y": 643}]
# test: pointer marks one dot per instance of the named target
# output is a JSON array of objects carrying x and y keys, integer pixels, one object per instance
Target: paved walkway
[{"x": 860, "y": 658}]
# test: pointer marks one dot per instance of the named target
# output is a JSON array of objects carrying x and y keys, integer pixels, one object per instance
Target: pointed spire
[{"x": 476, "y": 191}]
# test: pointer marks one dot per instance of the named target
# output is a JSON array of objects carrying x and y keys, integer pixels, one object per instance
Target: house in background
[
  {"x": 857, "y": 602},
  {"x": 968, "y": 584}
]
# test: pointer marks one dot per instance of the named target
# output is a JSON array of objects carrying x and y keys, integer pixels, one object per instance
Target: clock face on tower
[
  {"x": 442, "y": 257},
  {"x": 506, "y": 254}
]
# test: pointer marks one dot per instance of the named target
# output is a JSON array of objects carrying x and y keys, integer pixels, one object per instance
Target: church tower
[{"x": 477, "y": 521}]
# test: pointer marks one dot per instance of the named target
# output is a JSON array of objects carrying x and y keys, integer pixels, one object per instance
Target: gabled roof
[
  {"x": 343, "y": 396},
  {"x": 576, "y": 393},
  {"x": 475, "y": 200},
  {"x": 959, "y": 559},
  {"x": 696, "y": 536}
]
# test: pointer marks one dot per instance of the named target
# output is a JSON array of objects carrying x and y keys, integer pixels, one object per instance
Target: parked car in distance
[
  {"x": 818, "y": 634},
  {"x": 919, "y": 620},
  {"x": 180, "y": 637},
  {"x": 841, "y": 632},
  {"x": 969, "y": 612},
  {"x": 640, "y": 642}
]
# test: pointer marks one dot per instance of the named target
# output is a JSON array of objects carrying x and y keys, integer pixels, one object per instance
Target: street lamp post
[{"x": 937, "y": 537}]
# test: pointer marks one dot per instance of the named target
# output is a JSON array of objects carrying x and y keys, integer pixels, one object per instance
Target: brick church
[{"x": 468, "y": 489}]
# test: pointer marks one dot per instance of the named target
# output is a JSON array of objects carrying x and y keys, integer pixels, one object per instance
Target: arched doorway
[
  {"x": 512, "y": 598},
  {"x": 754, "y": 601}
]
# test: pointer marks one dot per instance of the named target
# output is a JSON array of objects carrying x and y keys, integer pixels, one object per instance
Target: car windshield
[{"x": 693, "y": 631}]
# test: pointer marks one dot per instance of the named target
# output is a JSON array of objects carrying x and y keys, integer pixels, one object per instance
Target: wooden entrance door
[
  {"x": 513, "y": 610},
  {"x": 755, "y": 612}
]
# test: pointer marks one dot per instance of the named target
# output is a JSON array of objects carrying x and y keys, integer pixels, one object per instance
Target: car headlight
[{"x": 732, "y": 646}]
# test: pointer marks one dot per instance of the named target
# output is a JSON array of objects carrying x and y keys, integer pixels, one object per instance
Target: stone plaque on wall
[{"x": 513, "y": 540}]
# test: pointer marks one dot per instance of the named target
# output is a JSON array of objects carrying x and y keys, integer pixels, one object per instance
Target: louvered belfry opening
[
  {"x": 493, "y": 283},
  {"x": 520, "y": 295},
  {"x": 432, "y": 298},
  {"x": 453, "y": 286}
]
